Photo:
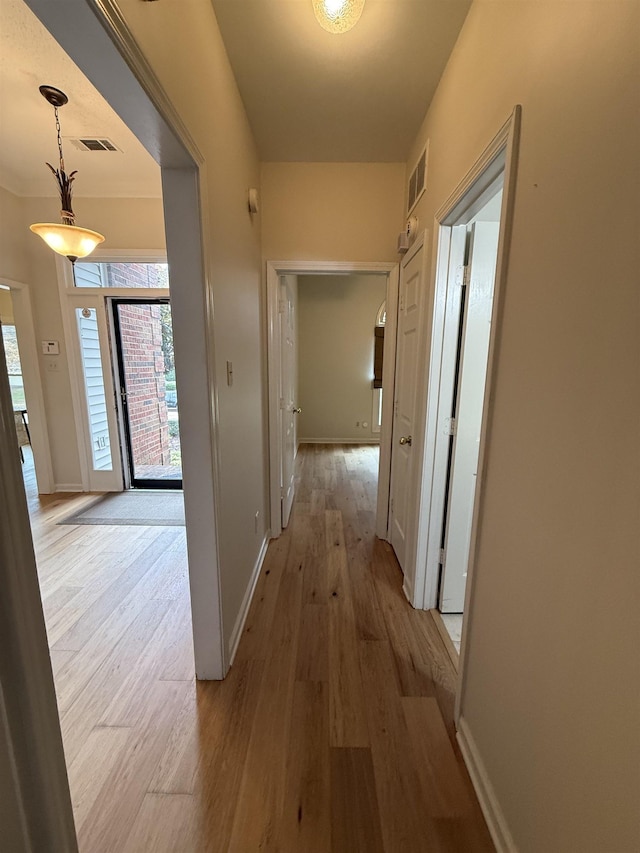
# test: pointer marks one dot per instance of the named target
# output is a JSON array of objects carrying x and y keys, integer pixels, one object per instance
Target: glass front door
[{"x": 147, "y": 387}]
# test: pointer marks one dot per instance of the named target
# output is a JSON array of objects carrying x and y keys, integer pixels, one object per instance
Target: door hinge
[
  {"x": 391, "y": 505},
  {"x": 466, "y": 275},
  {"x": 281, "y": 305},
  {"x": 442, "y": 556},
  {"x": 451, "y": 426}
]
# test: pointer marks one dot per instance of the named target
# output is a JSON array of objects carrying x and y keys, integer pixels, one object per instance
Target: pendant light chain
[{"x": 59, "y": 131}]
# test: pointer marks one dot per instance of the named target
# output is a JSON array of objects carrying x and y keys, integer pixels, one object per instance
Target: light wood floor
[{"x": 333, "y": 730}]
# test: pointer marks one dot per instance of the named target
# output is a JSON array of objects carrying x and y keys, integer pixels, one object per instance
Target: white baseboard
[
  {"x": 238, "y": 628},
  {"x": 338, "y": 441},
  {"x": 489, "y": 804},
  {"x": 69, "y": 487},
  {"x": 407, "y": 588}
]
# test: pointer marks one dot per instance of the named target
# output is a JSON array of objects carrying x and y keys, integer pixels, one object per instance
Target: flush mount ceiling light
[
  {"x": 66, "y": 239},
  {"x": 337, "y": 16}
]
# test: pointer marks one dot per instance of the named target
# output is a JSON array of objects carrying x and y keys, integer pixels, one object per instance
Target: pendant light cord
[{"x": 59, "y": 131}]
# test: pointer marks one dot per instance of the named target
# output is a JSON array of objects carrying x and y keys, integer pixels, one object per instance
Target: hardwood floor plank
[
  {"x": 313, "y": 647},
  {"x": 261, "y": 797},
  {"x": 155, "y": 660},
  {"x": 348, "y": 724},
  {"x": 166, "y": 823},
  {"x": 90, "y": 770},
  {"x": 442, "y": 785},
  {"x": 397, "y": 783},
  {"x": 89, "y": 690},
  {"x": 305, "y": 823},
  {"x": 109, "y": 821},
  {"x": 111, "y": 583},
  {"x": 355, "y": 819},
  {"x": 261, "y": 613}
]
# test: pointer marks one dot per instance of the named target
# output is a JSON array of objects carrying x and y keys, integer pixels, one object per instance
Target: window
[
  {"x": 14, "y": 368},
  {"x": 91, "y": 274}
]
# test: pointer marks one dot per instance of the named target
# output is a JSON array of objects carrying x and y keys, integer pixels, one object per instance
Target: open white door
[
  {"x": 96, "y": 418},
  {"x": 402, "y": 463},
  {"x": 468, "y": 401},
  {"x": 288, "y": 392}
]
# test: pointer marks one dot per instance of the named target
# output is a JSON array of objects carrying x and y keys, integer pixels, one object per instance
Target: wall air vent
[
  {"x": 94, "y": 144},
  {"x": 418, "y": 180}
]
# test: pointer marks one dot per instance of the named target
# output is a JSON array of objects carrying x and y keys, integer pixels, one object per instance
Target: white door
[
  {"x": 97, "y": 418},
  {"x": 402, "y": 452},
  {"x": 288, "y": 393},
  {"x": 468, "y": 408}
]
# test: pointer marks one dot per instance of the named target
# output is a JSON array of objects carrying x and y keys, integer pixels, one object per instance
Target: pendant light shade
[
  {"x": 337, "y": 16},
  {"x": 66, "y": 239},
  {"x": 69, "y": 240}
]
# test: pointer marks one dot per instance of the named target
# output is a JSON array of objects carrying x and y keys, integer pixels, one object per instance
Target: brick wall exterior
[
  {"x": 136, "y": 275},
  {"x": 141, "y": 335}
]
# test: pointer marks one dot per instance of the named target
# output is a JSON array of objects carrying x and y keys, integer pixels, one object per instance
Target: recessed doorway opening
[{"x": 327, "y": 390}]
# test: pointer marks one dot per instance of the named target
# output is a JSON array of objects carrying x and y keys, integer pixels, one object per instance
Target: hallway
[{"x": 333, "y": 730}]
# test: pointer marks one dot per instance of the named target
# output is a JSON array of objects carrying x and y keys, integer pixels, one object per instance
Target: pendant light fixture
[
  {"x": 337, "y": 16},
  {"x": 66, "y": 239}
]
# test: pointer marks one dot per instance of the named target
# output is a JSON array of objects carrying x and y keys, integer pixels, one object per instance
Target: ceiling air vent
[
  {"x": 94, "y": 144},
  {"x": 418, "y": 180}
]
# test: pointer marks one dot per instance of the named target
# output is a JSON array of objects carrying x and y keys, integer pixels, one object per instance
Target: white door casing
[
  {"x": 97, "y": 477},
  {"x": 288, "y": 394},
  {"x": 469, "y": 403},
  {"x": 410, "y": 302}
]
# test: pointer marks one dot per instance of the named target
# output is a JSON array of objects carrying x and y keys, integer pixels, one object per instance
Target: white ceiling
[
  {"x": 355, "y": 97},
  {"x": 310, "y": 96},
  {"x": 29, "y": 57}
]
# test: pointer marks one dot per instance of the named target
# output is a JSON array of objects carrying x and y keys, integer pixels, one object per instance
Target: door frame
[
  {"x": 126, "y": 445},
  {"x": 32, "y": 378},
  {"x": 500, "y": 157},
  {"x": 276, "y": 269},
  {"x": 96, "y": 37}
]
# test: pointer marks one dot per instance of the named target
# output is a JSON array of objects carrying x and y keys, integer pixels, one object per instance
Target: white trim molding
[
  {"x": 32, "y": 378},
  {"x": 493, "y": 814},
  {"x": 30, "y": 727},
  {"x": 236, "y": 634},
  {"x": 274, "y": 269}
]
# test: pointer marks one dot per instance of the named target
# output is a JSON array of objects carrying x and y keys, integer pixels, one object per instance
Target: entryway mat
[{"x": 146, "y": 507}]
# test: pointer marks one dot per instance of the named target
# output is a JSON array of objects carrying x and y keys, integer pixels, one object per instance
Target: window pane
[
  {"x": 89, "y": 274},
  {"x": 94, "y": 387},
  {"x": 14, "y": 368}
]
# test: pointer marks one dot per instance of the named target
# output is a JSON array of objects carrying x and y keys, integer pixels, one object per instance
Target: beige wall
[
  {"x": 336, "y": 318},
  {"x": 552, "y": 675},
  {"x": 332, "y": 211},
  {"x": 6, "y": 308},
  {"x": 205, "y": 94},
  {"x": 14, "y": 261}
]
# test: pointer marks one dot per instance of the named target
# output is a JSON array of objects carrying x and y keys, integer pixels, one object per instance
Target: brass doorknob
[
  {"x": 297, "y": 411},
  {"x": 406, "y": 439}
]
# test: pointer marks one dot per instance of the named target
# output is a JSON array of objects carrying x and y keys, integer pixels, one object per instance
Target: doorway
[
  {"x": 472, "y": 333},
  {"x": 290, "y": 420},
  {"x": 148, "y": 400},
  {"x": 471, "y": 246}
]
